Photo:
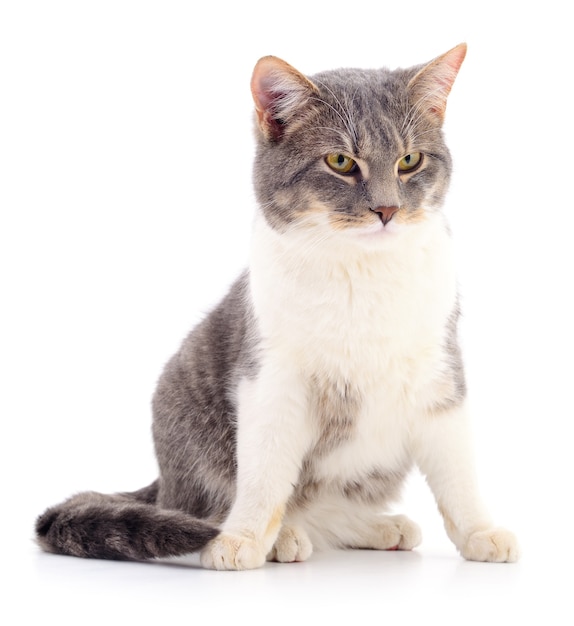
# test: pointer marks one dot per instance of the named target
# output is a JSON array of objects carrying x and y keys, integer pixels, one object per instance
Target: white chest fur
[
  {"x": 365, "y": 312},
  {"x": 368, "y": 317}
]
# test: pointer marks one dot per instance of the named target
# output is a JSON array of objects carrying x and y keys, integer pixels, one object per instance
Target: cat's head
[{"x": 352, "y": 151}]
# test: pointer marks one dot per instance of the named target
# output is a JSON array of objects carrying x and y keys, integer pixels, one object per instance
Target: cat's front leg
[
  {"x": 444, "y": 454},
  {"x": 273, "y": 435}
]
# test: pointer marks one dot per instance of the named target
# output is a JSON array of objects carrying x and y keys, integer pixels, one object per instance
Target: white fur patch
[{"x": 370, "y": 315}]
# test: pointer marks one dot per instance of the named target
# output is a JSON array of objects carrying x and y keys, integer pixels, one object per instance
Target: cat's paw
[
  {"x": 232, "y": 552},
  {"x": 396, "y": 532},
  {"x": 495, "y": 545},
  {"x": 291, "y": 545}
]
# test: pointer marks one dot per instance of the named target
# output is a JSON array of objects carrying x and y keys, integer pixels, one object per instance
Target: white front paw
[
  {"x": 232, "y": 552},
  {"x": 495, "y": 545}
]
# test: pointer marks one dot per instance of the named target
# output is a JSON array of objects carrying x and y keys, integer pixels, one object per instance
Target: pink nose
[{"x": 386, "y": 213}]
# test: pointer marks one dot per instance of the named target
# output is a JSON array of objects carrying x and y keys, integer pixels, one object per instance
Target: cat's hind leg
[
  {"x": 389, "y": 532},
  {"x": 292, "y": 544},
  {"x": 335, "y": 522}
]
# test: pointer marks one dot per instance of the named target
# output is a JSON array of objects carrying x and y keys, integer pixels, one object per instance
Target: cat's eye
[
  {"x": 410, "y": 162},
  {"x": 341, "y": 163}
]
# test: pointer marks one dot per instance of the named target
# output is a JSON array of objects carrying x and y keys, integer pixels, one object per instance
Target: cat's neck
[{"x": 303, "y": 251}]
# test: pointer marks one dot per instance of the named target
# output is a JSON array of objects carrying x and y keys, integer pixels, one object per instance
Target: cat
[{"x": 292, "y": 414}]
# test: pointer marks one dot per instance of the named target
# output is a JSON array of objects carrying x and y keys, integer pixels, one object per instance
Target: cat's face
[{"x": 357, "y": 152}]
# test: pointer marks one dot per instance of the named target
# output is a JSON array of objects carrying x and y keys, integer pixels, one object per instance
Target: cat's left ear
[
  {"x": 429, "y": 88},
  {"x": 280, "y": 94}
]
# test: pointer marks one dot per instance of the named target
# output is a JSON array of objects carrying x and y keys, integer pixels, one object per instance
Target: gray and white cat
[{"x": 292, "y": 414}]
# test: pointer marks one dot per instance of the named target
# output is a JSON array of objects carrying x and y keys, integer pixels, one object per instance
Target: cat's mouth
[
  {"x": 373, "y": 225},
  {"x": 377, "y": 230}
]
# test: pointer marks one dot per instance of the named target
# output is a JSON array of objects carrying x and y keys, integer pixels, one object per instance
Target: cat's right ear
[{"x": 279, "y": 92}]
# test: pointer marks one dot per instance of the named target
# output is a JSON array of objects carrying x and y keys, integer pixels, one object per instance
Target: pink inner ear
[
  {"x": 268, "y": 74},
  {"x": 278, "y": 90},
  {"x": 262, "y": 93},
  {"x": 265, "y": 94},
  {"x": 269, "y": 122}
]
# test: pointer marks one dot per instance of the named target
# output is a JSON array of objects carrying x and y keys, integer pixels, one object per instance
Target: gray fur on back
[{"x": 194, "y": 410}]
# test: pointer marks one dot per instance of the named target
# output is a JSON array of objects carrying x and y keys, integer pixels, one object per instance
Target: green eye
[
  {"x": 341, "y": 163},
  {"x": 410, "y": 162}
]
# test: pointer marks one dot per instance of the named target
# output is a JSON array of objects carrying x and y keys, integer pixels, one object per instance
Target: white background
[{"x": 125, "y": 212}]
